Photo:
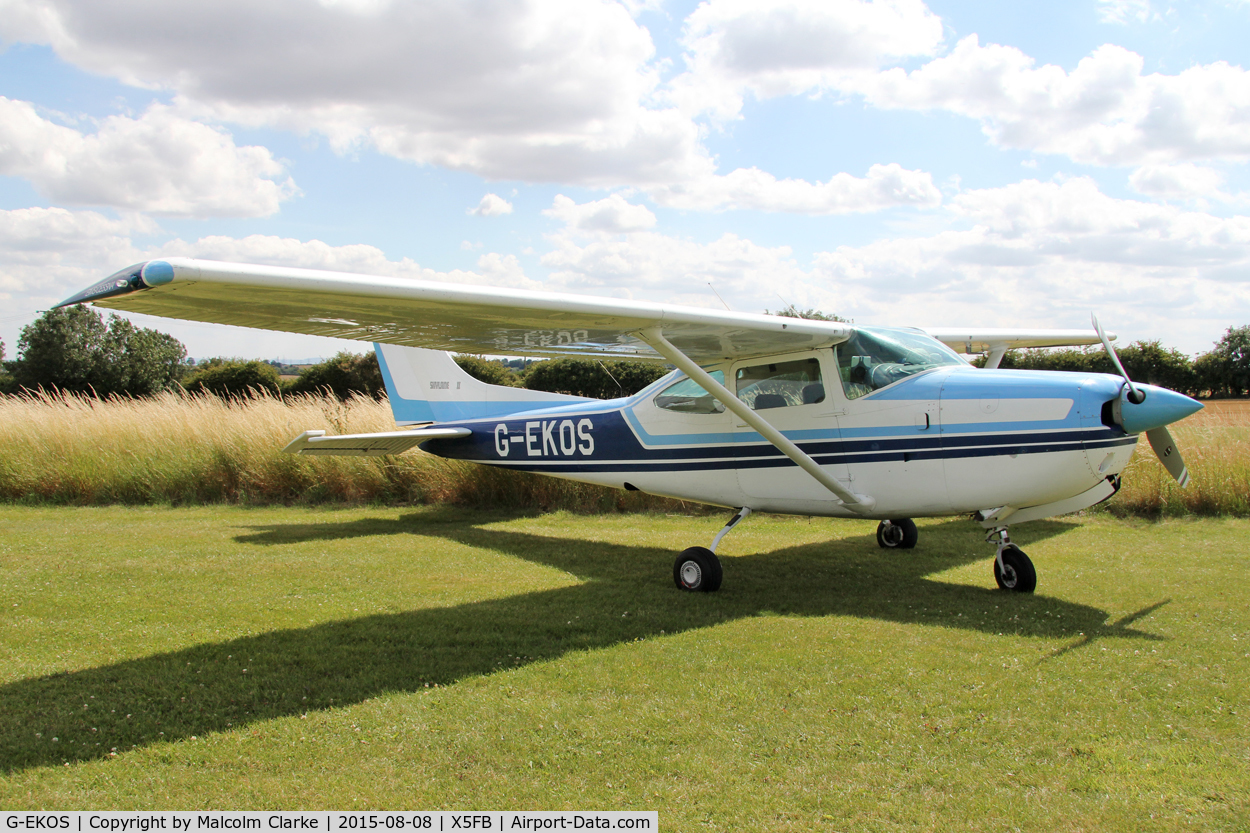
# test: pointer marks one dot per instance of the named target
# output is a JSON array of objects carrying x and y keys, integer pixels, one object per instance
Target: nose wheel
[{"x": 1012, "y": 568}]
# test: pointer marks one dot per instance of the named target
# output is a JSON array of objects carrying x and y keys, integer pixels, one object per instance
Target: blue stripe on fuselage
[{"x": 571, "y": 439}]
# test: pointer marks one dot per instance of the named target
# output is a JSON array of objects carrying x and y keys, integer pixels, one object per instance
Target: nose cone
[{"x": 1161, "y": 407}]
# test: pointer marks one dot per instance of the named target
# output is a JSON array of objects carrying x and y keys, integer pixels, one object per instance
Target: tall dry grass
[
  {"x": 1215, "y": 443},
  {"x": 181, "y": 449}
]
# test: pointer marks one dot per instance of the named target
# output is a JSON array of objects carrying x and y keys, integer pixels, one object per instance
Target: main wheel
[
  {"x": 900, "y": 534},
  {"x": 1017, "y": 573},
  {"x": 697, "y": 570}
]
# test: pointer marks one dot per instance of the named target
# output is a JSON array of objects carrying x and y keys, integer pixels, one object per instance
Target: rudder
[{"x": 428, "y": 386}]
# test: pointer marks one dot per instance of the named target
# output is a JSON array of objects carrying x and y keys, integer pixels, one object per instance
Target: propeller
[
  {"x": 1165, "y": 448},
  {"x": 1135, "y": 416},
  {"x": 1135, "y": 395}
]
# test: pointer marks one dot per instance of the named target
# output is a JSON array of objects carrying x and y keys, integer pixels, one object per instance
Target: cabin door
[{"x": 789, "y": 392}]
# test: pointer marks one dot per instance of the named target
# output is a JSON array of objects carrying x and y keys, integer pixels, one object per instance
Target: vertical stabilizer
[{"x": 428, "y": 386}]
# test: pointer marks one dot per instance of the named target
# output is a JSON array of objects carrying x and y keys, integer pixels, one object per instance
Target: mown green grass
[{"x": 436, "y": 658}]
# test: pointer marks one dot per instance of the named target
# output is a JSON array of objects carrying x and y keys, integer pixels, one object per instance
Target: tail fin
[{"x": 428, "y": 386}]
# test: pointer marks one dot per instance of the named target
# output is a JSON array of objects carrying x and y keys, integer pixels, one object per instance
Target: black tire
[
  {"x": 1019, "y": 576},
  {"x": 697, "y": 570},
  {"x": 900, "y": 534}
]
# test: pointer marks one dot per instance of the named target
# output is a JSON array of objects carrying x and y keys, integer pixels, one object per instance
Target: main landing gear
[
  {"x": 897, "y": 534},
  {"x": 1012, "y": 568},
  {"x": 698, "y": 569}
]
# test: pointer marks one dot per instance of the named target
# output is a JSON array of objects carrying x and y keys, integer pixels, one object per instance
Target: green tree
[
  {"x": 233, "y": 377},
  {"x": 490, "y": 372},
  {"x": 143, "y": 361},
  {"x": 7, "y": 385},
  {"x": 73, "y": 349},
  {"x": 61, "y": 349},
  {"x": 588, "y": 377},
  {"x": 810, "y": 314},
  {"x": 1225, "y": 371},
  {"x": 346, "y": 375}
]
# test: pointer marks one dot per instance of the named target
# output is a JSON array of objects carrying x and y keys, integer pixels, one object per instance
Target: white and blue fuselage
[{"x": 948, "y": 440}]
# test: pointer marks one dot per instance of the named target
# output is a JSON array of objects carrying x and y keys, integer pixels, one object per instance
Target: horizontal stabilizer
[{"x": 368, "y": 445}]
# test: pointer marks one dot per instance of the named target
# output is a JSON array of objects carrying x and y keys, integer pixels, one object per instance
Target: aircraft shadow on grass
[{"x": 626, "y": 594}]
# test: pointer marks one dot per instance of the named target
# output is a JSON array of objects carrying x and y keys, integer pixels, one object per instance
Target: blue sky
[{"x": 944, "y": 164}]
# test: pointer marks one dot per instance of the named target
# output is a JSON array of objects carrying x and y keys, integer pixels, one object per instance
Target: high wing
[
  {"x": 980, "y": 340},
  {"x": 477, "y": 319},
  {"x": 443, "y": 316}
]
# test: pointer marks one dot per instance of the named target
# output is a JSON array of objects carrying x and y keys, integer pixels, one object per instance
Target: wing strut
[
  {"x": 655, "y": 337},
  {"x": 997, "y": 351}
]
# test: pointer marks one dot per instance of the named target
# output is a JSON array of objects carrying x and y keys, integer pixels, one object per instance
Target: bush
[
  {"x": 1150, "y": 362},
  {"x": 595, "y": 379},
  {"x": 1144, "y": 361},
  {"x": 488, "y": 371},
  {"x": 233, "y": 377},
  {"x": 346, "y": 375}
]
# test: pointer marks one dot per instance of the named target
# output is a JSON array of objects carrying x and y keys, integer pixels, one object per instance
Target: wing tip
[{"x": 133, "y": 278}]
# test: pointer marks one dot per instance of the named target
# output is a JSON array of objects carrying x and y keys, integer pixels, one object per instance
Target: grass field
[
  {"x": 223, "y": 657},
  {"x": 1215, "y": 443},
  {"x": 177, "y": 449}
]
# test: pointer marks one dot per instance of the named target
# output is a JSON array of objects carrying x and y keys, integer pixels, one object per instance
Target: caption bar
[{"x": 324, "y": 822}]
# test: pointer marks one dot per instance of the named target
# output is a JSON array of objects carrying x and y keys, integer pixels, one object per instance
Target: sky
[{"x": 954, "y": 164}]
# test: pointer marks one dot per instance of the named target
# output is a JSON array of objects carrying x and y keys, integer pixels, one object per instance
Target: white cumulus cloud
[
  {"x": 1123, "y": 11},
  {"x": 491, "y": 205},
  {"x": 1185, "y": 181},
  {"x": 1104, "y": 112},
  {"x": 793, "y": 46},
  {"x": 159, "y": 163},
  {"x": 885, "y": 186},
  {"x": 1046, "y": 254},
  {"x": 543, "y": 90},
  {"x": 675, "y": 270},
  {"x": 612, "y": 215}
]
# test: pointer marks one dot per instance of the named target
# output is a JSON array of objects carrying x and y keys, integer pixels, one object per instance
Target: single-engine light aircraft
[{"x": 762, "y": 413}]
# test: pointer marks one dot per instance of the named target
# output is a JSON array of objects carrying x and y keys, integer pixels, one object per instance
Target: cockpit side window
[
  {"x": 871, "y": 359},
  {"x": 781, "y": 384},
  {"x": 685, "y": 396}
]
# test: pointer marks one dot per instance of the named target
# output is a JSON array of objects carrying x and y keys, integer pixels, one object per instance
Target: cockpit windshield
[{"x": 873, "y": 358}]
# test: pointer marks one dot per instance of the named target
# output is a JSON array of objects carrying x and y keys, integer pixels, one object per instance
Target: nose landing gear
[{"x": 1012, "y": 568}]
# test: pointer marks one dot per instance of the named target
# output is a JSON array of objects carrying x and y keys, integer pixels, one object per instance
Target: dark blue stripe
[
  {"x": 617, "y": 448},
  {"x": 826, "y": 459}
]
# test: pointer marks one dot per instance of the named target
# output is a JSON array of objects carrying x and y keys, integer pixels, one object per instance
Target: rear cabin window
[
  {"x": 781, "y": 384},
  {"x": 687, "y": 397}
]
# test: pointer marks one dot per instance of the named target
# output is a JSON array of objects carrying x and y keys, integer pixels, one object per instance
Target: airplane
[{"x": 761, "y": 414}]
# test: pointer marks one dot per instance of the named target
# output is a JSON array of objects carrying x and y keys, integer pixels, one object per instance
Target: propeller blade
[
  {"x": 1134, "y": 395},
  {"x": 1165, "y": 447}
]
